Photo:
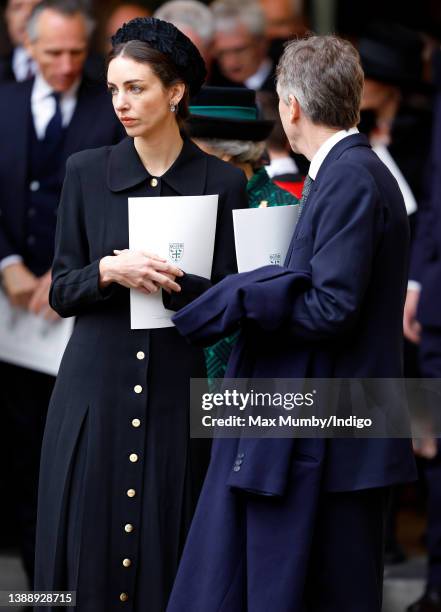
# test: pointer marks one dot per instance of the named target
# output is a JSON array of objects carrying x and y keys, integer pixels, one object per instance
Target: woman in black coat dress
[{"x": 119, "y": 475}]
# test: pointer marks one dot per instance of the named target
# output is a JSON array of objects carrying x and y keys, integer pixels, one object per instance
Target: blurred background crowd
[{"x": 53, "y": 102}]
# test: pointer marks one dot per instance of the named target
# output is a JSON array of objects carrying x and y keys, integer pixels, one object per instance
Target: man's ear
[
  {"x": 27, "y": 44},
  {"x": 294, "y": 108}
]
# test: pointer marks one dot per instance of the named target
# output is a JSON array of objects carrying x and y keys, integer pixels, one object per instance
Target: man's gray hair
[
  {"x": 241, "y": 151},
  {"x": 324, "y": 73},
  {"x": 69, "y": 8},
  {"x": 190, "y": 14},
  {"x": 228, "y": 13}
]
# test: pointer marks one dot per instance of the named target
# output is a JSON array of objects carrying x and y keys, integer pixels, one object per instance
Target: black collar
[{"x": 187, "y": 175}]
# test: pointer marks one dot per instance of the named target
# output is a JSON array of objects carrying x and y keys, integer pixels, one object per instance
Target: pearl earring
[{"x": 172, "y": 107}]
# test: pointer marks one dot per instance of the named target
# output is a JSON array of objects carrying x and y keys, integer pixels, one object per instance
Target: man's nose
[{"x": 66, "y": 63}]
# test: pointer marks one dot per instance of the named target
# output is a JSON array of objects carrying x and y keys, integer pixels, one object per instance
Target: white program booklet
[
  {"x": 29, "y": 340},
  {"x": 263, "y": 235},
  {"x": 182, "y": 230}
]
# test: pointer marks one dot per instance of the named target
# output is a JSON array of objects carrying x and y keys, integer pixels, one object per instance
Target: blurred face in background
[
  {"x": 378, "y": 95},
  {"x": 60, "y": 48},
  {"x": 281, "y": 18},
  {"x": 239, "y": 52},
  {"x": 202, "y": 46},
  {"x": 122, "y": 14},
  {"x": 16, "y": 14}
]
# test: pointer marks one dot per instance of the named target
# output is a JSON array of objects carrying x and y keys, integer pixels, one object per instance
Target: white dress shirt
[
  {"x": 43, "y": 105},
  {"x": 43, "y": 108},
  {"x": 325, "y": 148},
  {"x": 256, "y": 80},
  {"x": 23, "y": 66}
]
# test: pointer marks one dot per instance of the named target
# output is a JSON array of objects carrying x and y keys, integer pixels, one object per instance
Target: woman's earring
[{"x": 172, "y": 107}]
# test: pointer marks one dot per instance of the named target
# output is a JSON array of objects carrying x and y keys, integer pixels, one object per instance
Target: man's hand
[
  {"x": 19, "y": 284},
  {"x": 39, "y": 302},
  {"x": 411, "y": 327}
]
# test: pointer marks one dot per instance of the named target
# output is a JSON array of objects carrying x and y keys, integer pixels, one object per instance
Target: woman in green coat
[{"x": 224, "y": 121}]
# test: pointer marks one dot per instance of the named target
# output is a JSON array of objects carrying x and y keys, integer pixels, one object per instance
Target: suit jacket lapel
[
  {"x": 82, "y": 120},
  {"x": 6, "y": 72}
]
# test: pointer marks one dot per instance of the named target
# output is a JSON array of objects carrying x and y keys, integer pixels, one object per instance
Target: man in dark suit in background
[
  {"x": 42, "y": 122},
  {"x": 17, "y": 65},
  {"x": 240, "y": 47},
  {"x": 422, "y": 325},
  {"x": 271, "y": 538}
]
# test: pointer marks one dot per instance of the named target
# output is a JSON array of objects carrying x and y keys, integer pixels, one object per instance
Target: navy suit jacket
[
  {"x": 6, "y": 72},
  {"x": 352, "y": 242},
  {"x": 333, "y": 310},
  {"x": 426, "y": 252},
  {"x": 93, "y": 124}
]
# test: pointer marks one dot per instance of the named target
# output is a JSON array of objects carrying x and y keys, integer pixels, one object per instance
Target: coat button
[
  {"x": 123, "y": 597},
  {"x": 131, "y": 493},
  {"x": 127, "y": 562},
  {"x": 140, "y": 355},
  {"x": 133, "y": 457},
  {"x": 137, "y": 389},
  {"x": 128, "y": 528},
  {"x": 31, "y": 240},
  {"x": 34, "y": 186},
  {"x": 154, "y": 182},
  {"x": 31, "y": 212},
  {"x": 240, "y": 455},
  {"x": 236, "y": 468},
  {"x": 136, "y": 423},
  {"x": 238, "y": 462}
]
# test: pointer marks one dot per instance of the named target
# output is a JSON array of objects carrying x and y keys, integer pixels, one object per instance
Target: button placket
[{"x": 127, "y": 551}]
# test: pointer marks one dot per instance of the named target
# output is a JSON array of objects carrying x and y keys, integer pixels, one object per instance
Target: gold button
[
  {"x": 133, "y": 457},
  {"x": 153, "y": 182},
  {"x": 131, "y": 493},
  {"x": 128, "y": 528},
  {"x": 137, "y": 389},
  {"x": 140, "y": 355},
  {"x": 127, "y": 562},
  {"x": 263, "y": 204},
  {"x": 123, "y": 597},
  {"x": 136, "y": 423}
]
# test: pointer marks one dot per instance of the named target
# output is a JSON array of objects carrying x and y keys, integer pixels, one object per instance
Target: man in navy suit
[
  {"x": 299, "y": 524},
  {"x": 17, "y": 65},
  {"x": 42, "y": 122}
]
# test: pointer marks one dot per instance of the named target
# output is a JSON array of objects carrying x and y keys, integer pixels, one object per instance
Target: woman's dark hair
[{"x": 160, "y": 64}]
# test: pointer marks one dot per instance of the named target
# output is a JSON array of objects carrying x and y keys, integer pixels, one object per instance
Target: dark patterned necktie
[
  {"x": 29, "y": 68},
  {"x": 54, "y": 129},
  {"x": 307, "y": 186}
]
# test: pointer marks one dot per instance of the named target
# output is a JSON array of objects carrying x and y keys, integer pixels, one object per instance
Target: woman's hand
[{"x": 139, "y": 270}]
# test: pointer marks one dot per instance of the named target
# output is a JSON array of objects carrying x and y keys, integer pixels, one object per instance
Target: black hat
[
  {"x": 392, "y": 54},
  {"x": 229, "y": 113},
  {"x": 167, "y": 39}
]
